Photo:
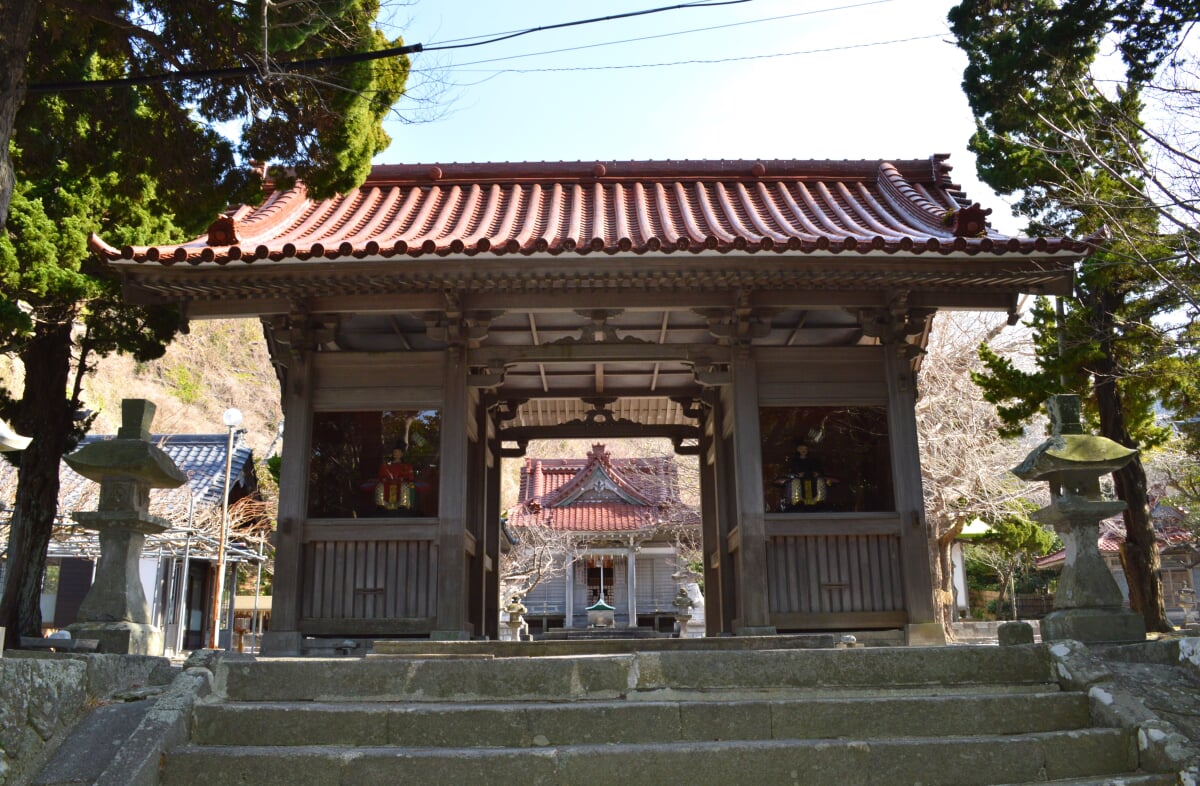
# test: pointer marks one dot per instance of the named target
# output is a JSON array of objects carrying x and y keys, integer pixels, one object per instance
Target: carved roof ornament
[
  {"x": 223, "y": 232},
  {"x": 970, "y": 221}
]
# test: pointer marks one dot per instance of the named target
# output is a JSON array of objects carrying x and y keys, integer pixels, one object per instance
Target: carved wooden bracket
[
  {"x": 599, "y": 331},
  {"x": 739, "y": 325},
  {"x": 456, "y": 327},
  {"x": 894, "y": 323},
  {"x": 298, "y": 334}
]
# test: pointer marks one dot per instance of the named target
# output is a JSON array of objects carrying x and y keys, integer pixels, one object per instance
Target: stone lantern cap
[
  {"x": 130, "y": 456},
  {"x": 1069, "y": 450}
]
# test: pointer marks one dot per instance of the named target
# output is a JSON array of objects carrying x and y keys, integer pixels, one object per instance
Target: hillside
[{"x": 217, "y": 365}]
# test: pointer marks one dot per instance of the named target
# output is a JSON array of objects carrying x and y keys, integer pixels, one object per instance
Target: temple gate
[{"x": 766, "y": 316}]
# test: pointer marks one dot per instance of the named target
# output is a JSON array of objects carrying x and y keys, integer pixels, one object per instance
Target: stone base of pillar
[
  {"x": 924, "y": 634},
  {"x": 280, "y": 644},
  {"x": 1094, "y": 626},
  {"x": 121, "y": 638}
]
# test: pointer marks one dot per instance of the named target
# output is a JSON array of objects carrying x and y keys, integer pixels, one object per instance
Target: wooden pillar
[
  {"x": 569, "y": 605},
  {"x": 631, "y": 585},
  {"x": 492, "y": 600},
  {"x": 284, "y": 637},
  {"x": 910, "y": 499},
  {"x": 452, "y": 581},
  {"x": 476, "y": 511},
  {"x": 753, "y": 612},
  {"x": 710, "y": 529}
]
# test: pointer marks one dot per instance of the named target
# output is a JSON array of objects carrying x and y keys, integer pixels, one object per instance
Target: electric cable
[{"x": 318, "y": 63}]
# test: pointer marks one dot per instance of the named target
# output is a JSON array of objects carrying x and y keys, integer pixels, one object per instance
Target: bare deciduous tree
[{"x": 965, "y": 463}]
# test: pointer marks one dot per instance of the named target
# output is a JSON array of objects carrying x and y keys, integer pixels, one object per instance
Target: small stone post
[
  {"x": 683, "y": 611},
  {"x": 115, "y": 610},
  {"x": 1088, "y": 605}
]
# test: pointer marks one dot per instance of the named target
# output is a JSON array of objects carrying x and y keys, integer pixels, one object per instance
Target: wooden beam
[
  {"x": 496, "y": 357},
  {"x": 598, "y": 431},
  {"x": 255, "y": 304},
  {"x": 816, "y": 524}
]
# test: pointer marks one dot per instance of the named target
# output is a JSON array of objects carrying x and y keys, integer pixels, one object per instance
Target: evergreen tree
[
  {"x": 1074, "y": 152},
  {"x": 146, "y": 163},
  {"x": 1009, "y": 549}
]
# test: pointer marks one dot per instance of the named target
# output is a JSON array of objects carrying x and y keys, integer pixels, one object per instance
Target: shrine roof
[
  {"x": 640, "y": 208},
  {"x": 598, "y": 493}
]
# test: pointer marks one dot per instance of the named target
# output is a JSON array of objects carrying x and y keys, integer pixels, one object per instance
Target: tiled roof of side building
[
  {"x": 201, "y": 457},
  {"x": 637, "y": 207}
]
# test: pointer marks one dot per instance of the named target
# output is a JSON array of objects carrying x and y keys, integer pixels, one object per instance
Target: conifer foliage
[
  {"x": 153, "y": 162},
  {"x": 1086, "y": 163}
]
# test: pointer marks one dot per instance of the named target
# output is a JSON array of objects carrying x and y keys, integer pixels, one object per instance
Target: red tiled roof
[
  {"x": 596, "y": 494},
  {"x": 588, "y": 517},
  {"x": 616, "y": 207}
]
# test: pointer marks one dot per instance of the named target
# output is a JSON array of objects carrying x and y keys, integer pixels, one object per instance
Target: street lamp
[{"x": 233, "y": 419}]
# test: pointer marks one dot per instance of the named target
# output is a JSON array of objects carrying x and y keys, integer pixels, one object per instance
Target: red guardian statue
[{"x": 396, "y": 491}]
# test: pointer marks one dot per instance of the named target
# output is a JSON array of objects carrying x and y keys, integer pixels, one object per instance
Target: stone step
[
  {"x": 610, "y": 722},
  {"x": 1142, "y": 779},
  {"x": 653, "y": 675},
  {"x": 961, "y": 761},
  {"x": 615, "y": 646}
]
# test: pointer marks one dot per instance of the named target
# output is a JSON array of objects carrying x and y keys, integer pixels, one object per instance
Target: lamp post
[{"x": 233, "y": 419}]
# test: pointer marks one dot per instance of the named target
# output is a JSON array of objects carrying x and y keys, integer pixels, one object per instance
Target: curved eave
[
  {"x": 199, "y": 255},
  {"x": 1043, "y": 273}
]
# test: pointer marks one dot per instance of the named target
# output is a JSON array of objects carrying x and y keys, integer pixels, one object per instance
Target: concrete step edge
[
  {"x": 517, "y": 724},
  {"x": 868, "y": 668},
  {"x": 948, "y": 761},
  {"x": 1100, "y": 733}
]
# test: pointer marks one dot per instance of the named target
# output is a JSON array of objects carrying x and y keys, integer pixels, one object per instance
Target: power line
[
  {"x": 691, "y": 62},
  {"x": 318, "y": 63},
  {"x": 675, "y": 33}
]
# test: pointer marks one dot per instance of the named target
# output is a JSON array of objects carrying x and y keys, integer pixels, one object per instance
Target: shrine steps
[{"x": 948, "y": 715}]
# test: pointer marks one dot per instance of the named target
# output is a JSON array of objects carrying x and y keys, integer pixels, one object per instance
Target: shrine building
[
  {"x": 609, "y": 529},
  {"x": 767, "y": 317}
]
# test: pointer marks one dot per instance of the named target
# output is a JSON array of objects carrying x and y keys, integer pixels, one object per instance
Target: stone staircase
[{"x": 869, "y": 715}]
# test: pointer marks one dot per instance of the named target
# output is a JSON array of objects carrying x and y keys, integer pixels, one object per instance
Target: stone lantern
[
  {"x": 516, "y": 618},
  {"x": 115, "y": 611},
  {"x": 683, "y": 611},
  {"x": 1088, "y": 605}
]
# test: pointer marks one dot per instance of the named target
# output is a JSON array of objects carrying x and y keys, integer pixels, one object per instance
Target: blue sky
[{"x": 869, "y": 80}]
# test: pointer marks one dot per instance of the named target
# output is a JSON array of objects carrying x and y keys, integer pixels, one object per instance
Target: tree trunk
[
  {"x": 1139, "y": 552},
  {"x": 16, "y": 29},
  {"x": 45, "y": 413},
  {"x": 943, "y": 578}
]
